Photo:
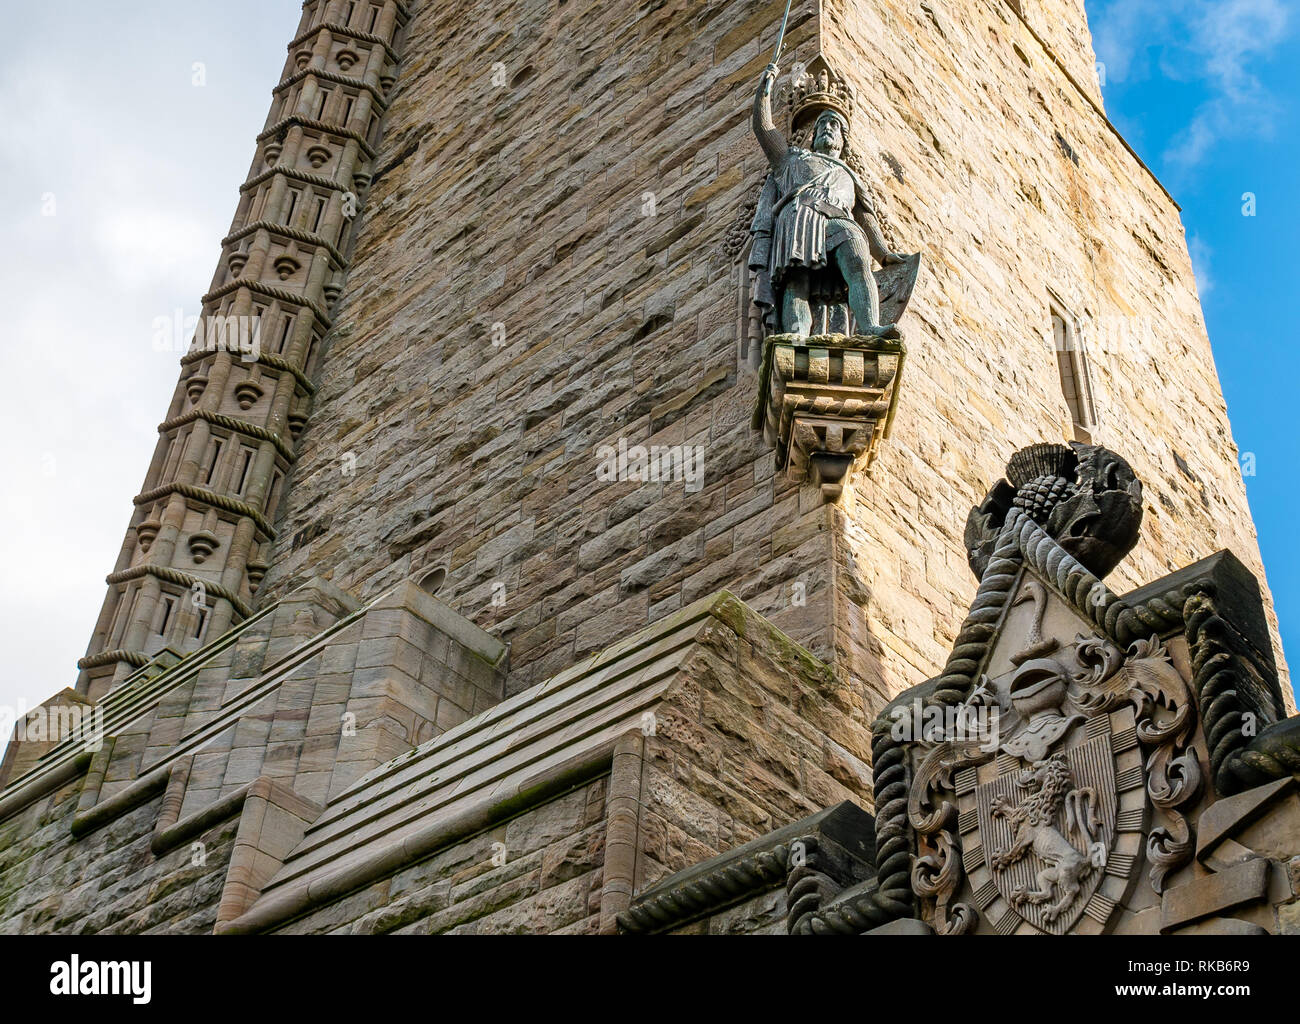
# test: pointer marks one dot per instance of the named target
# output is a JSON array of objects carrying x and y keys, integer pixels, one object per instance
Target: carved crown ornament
[
  {"x": 1051, "y": 779},
  {"x": 816, "y": 87}
]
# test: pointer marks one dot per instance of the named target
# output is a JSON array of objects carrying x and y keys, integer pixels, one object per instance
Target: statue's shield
[
  {"x": 1058, "y": 837},
  {"x": 896, "y": 283}
]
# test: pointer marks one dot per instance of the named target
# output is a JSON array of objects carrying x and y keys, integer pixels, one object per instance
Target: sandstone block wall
[
  {"x": 539, "y": 873},
  {"x": 546, "y": 812},
  {"x": 234, "y": 749},
  {"x": 748, "y": 734},
  {"x": 110, "y": 882},
  {"x": 538, "y": 274},
  {"x": 1021, "y": 192}
]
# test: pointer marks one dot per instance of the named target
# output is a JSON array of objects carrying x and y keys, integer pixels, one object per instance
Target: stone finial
[{"x": 1086, "y": 497}]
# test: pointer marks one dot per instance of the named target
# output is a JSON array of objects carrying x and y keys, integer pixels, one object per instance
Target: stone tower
[
  {"x": 200, "y": 538},
  {"x": 464, "y": 594},
  {"x": 538, "y": 267}
]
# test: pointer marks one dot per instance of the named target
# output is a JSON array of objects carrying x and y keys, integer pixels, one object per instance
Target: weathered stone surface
[
  {"x": 1229, "y": 818},
  {"x": 255, "y": 753},
  {"x": 903, "y": 926},
  {"x": 458, "y": 409},
  {"x": 743, "y": 891},
  {"x": 700, "y": 788},
  {"x": 1214, "y": 894},
  {"x": 826, "y": 404}
]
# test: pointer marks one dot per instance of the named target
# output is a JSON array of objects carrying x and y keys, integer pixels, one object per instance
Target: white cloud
[
  {"x": 1230, "y": 35},
  {"x": 1213, "y": 42},
  {"x": 151, "y": 247},
  {"x": 1234, "y": 32},
  {"x": 1201, "y": 255}
]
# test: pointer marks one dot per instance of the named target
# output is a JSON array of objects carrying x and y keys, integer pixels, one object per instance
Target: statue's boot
[{"x": 884, "y": 331}]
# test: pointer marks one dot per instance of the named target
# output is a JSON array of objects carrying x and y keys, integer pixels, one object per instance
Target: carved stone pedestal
[{"x": 825, "y": 403}]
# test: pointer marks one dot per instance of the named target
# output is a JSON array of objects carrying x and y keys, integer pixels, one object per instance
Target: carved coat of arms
[
  {"x": 1041, "y": 823},
  {"x": 1042, "y": 785}
]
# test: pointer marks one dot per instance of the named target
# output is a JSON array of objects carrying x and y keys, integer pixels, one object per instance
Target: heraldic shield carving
[
  {"x": 1062, "y": 770},
  {"x": 1052, "y": 777},
  {"x": 1047, "y": 832},
  {"x": 1040, "y": 818}
]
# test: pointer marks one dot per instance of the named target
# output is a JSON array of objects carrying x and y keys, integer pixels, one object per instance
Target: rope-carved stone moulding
[
  {"x": 831, "y": 351},
  {"x": 1050, "y": 780}
]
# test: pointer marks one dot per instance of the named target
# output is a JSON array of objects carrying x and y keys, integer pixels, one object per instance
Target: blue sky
[{"x": 1207, "y": 93}]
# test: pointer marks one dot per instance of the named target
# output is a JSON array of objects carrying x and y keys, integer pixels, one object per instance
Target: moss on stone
[{"x": 732, "y": 611}]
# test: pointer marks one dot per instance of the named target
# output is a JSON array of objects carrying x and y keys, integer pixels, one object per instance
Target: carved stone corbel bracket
[{"x": 825, "y": 404}]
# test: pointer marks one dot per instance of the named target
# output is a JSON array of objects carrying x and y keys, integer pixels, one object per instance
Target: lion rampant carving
[{"x": 1033, "y": 824}]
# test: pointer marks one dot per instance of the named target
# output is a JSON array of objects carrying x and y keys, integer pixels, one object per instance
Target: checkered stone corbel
[{"x": 825, "y": 404}]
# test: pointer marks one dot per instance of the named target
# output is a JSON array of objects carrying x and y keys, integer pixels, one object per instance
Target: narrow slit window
[
  {"x": 130, "y": 613},
  {"x": 286, "y": 334},
  {"x": 175, "y": 455},
  {"x": 311, "y": 354},
  {"x": 125, "y": 602},
  {"x": 374, "y": 19},
  {"x": 273, "y": 495},
  {"x": 322, "y": 103},
  {"x": 319, "y": 215},
  {"x": 349, "y": 11},
  {"x": 247, "y": 456},
  {"x": 294, "y": 196},
  {"x": 1076, "y": 380},
  {"x": 200, "y": 622},
  {"x": 214, "y": 459},
  {"x": 168, "y": 609},
  {"x": 348, "y": 104}
]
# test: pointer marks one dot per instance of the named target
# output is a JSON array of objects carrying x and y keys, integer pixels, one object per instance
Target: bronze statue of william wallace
[{"x": 815, "y": 229}]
